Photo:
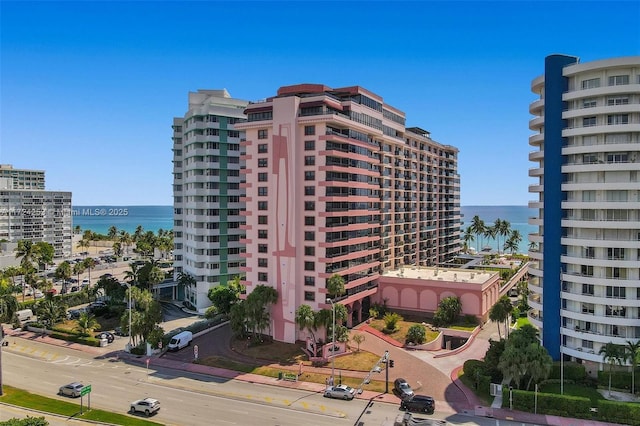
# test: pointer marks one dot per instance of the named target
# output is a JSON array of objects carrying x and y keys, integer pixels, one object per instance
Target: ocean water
[
  {"x": 126, "y": 218},
  {"x": 99, "y": 218},
  {"x": 517, "y": 216}
]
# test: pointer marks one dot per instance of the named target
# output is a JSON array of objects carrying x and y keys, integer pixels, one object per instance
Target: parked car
[
  {"x": 74, "y": 289},
  {"x": 120, "y": 332},
  {"x": 148, "y": 406},
  {"x": 52, "y": 291},
  {"x": 340, "y": 392},
  {"x": 402, "y": 388},
  {"x": 419, "y": 403},
  {"x": 106, "y": 335},
  {"x": 96, "y": 305},
  {"x": 72, "y": 389}
]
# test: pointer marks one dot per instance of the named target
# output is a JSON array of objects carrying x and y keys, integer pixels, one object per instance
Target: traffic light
[{"x": 390, "y": 363}]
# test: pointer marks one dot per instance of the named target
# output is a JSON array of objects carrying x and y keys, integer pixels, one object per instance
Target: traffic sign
[
  {"x": 195, "y": 351},
  {"x": 85, "y": 390}
]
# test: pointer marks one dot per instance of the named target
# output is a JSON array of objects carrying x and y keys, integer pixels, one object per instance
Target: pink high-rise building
[{"x": 336, "y": 184}]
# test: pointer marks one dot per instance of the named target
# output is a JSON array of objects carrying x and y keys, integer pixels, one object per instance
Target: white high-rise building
[
  {"x": 28, "y": 212},
  {"x": 208, "y": 227},
  {"x": 585, "y": 280}
]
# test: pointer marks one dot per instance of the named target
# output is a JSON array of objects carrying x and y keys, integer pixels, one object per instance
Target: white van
[
  {"x": 180, "y": 340},
  {"x": 24, "y": 315}
]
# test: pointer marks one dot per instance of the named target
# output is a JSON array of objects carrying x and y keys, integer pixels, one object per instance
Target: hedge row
[
  {"x": 619, "y": 412},
  {"x": 549, "y": 403},
  {"x": 619, "y": 379},
  {"x": 572, "y": 371},
  {"x": 90, "y": 341}
]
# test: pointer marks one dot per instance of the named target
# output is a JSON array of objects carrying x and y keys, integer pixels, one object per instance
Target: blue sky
[{"x": 89, "y": 89}]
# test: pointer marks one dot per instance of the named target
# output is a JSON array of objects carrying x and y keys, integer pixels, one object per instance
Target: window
[
  {"x": 591, "y": 83},
  {"x": 309, "y": 266},
  {"x": 616, "y": 292},
  {"x": 263, "y": 191},
  {"x": 617, "y": 195},
  {"x": 263, "y": 148},
  {"x": 263, "y": 205},
  {"x": 262, "y": 220},
  {"x": 617, "y": 157},
  {"x": 588, "y": 121},
  {"x": 618, "y": 100},
  {"x": 310, "y": 296},
  {"x": 263, "y": 276},
  {"x": 618, "y": 80},
  {"x": 589, "y": 252},
  {"x": 589, "y": 158},
  {"x": 309, "y": 205},
  {"x": 262, "y": 262},
  {"x": 615, "y": 311},
  {"x": 589, "y": 103},
  {"x": 311, "y": 281},
  {"x": 589, "y": 195},
  {"x": 309, "y": 236},
  {"x": 263, "y": 234},
  {"x": 587, "y": 308},
  {"x": 615, "y": 253},
  {"x": 587, "y": 344},
  {"x": 309, "y": 190},
  {"x": 613, "y": 119},
  {"x": 309, "y": 130},
  {"x": 310, "y": 175},
  {"x": 262, "y": 177},
  {"x": 309, "y": 251},
  {"x": 262, "y": 162},
  {"x": 587, "y": 289},
  {"x": 309, "y": 145},
  {"x": 263, "y": 134},
  {"x": 586, "y": 270},
  {"x": 310, "y": 220},
  {"x": 262, "y": 248},
  {"x": 309, "y": 160}
]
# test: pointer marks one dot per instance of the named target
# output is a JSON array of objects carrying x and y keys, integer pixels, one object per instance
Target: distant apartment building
[
  {"x": 584, "y": 277},
  {"x": 207, "y": 189},
  {"x": 28, "y": 212},
  {"x": 337, "y": 184},
  {"x": 22, "y": 178}
]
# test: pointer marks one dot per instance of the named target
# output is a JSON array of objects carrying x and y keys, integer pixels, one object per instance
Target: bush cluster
[
  {"x": 619, "y": 412},
  {"x": 69, "y": 337},
  {"x": 550, "y": 403}
]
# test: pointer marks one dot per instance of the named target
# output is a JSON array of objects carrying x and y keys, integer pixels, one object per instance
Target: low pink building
[{"x": 420, "y": 289}]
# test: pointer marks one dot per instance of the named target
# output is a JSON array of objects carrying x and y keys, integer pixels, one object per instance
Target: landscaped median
[{"x": 21, "y": 398}]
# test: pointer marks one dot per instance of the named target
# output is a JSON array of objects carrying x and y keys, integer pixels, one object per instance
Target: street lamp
[{"x": 333, "y": 340}]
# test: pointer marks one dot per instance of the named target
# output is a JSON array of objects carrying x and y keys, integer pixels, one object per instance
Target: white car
[
  {"x": 341, "y": 392},
  {"x": 72, "y": 389},
  {"x": 148, "y": 406}
]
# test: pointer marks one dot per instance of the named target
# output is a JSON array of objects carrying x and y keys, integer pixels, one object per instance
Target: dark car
[
  {"x": 419, "y": 403},
  {"x": 118, "y": 331},
  {"x": 106, "y": 335},
  {"x": 402, "y": 388},
  {"x": 74, "y": 289}
]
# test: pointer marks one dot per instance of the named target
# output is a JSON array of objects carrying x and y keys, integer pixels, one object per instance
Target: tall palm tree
[
  {"x": 468, "y": 237},
  {"x": 514, "y": 240},
  {"x": 504, "y": 229},
  {"x": 83, "y": 243},
  {"x": 89, "y": 263},
  {"x": 490, "y": 233},
  {"x": 307, "y": 319},
  {"x": 632, "y": 354},
  {"x": 478, "y": 228},
  {"x": 26, "y": 250},
  {"x": 112, "y": 233},
  {"x": 78, "y": 269},
  {"x": 611, "y": 354},
  {"x": 539, "y": 363},
  {"x": 499, "y": 313}
]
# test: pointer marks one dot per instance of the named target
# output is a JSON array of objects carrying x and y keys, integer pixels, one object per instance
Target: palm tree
[
  {"x": 498, "y": 314},
  {"x": 533, "y": 246},
  {"x": 632, "y": 352},
  {"x": 50, "y": 312},
  {"x": 515, "y": 238},
  {"x": 86, "y": 324},
  {"x": 78, "y": 269},
  {"x": 468, "y": 237},
  {"x": 187, "y": 281},
  {"x": 125, "y": 240},
  {"x": 539, "y": 363},
  {"x": 478, "y": 228},
  {"x": 83, "y": 243},
  {"x": 89, "y": 263},
  {"x": 77, "y": 230},
  {"x": 27, "y": 251},
  {"x": 611, "y": 354},
  {"x": 307, "y": 319},
  {"x": 112, "y": 233},
  {"x": 504, "y": 229},
  {"x": 133, "y": 274},
  {"x": 8, "y": 304},
  {"x": 335, "y": 285},
  {"x": 490, "y": 232}
]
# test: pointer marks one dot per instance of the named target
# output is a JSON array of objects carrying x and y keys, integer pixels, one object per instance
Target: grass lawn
[
  {"x": 25, "y": 399},
  {"x": 283, "y": 353},
  {"x": 402, "y": 327},
  {"x": 573, "y": 390},
  {"x": 522, "y": 321}
]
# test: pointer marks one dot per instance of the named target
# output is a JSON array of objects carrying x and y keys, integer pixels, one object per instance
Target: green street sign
[{"x": 85, "y": 390}]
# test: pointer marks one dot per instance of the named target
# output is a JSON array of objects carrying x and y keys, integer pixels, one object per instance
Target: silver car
[
  {"x": 340, "y": 392},
  {"x": 72, "y": 389}
]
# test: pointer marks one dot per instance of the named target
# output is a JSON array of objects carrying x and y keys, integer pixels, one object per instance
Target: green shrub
[
  {"x": 619, "y": 379},
  {"x": 549, "y": 403},
  {"x": 470, "y": 319},
  {"x": 391, "y": 320},
  {"x": 619, "y": 412},
  {"x": 138, "y": 350},
  {"x": 89, "y": 341},
  {"x": 572, "y": 371},
  {"x": 416, "y": 334}
]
